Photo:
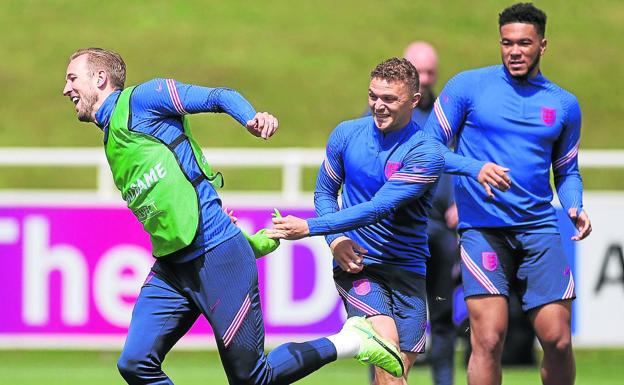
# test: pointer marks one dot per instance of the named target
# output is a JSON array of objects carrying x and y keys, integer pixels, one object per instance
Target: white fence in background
[
  {"x": 33, "y": 229},
  {"x": 291, "y": 161}
]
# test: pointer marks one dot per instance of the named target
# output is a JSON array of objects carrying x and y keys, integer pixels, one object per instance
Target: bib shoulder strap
[{"x": 120, "y": 116}]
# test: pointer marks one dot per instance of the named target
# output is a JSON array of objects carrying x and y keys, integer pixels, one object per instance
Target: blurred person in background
[
  {"x": 387, "y": 169},
  {"x": 204, "y": 265},
  {"x": 511, "y": 125},
  {"x": 442, "y": 237}
]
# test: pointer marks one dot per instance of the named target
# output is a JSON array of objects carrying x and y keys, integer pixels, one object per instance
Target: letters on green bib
[{"x": 153, "y": 183}]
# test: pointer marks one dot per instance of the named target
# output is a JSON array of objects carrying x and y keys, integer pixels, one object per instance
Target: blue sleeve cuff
[
  {"x": 474, "y": 168},
  {"x": 313, "y": 226},
  {"x": 332, "y": 237}
]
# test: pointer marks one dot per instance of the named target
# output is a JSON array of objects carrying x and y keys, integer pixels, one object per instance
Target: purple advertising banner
[{"x": 77, "y": 271}]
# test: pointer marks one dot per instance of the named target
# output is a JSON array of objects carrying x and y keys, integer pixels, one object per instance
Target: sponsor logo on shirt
[
  {"x": 391, "y": 168},
  {"x": 549, "y": 115}
]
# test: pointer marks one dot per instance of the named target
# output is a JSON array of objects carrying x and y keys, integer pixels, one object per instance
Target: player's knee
[
  {"x": 131, "y": 367},
  {"x": 127, "y": 368},
  {"x": 242, "y": 376},
  {"x": 490, "y": 343},
  {"x": 560, "y": 344}
]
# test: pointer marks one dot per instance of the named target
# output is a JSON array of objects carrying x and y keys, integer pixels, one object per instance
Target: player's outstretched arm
[{"x": 167, "y": 97}]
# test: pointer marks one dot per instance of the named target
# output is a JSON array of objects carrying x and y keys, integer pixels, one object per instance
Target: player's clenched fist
[{"x": 262, "y": 125}]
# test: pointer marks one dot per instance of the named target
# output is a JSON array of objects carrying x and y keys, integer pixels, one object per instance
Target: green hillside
[{"x": 307, "y": 62}]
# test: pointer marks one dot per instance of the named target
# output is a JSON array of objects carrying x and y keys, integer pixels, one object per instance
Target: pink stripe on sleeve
[{"x": 175, "y": 97}]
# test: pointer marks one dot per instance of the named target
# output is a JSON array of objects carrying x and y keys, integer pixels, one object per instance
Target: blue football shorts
[
  {"x": 387, "y": 290},
  {"x": 532, "y": 264}
]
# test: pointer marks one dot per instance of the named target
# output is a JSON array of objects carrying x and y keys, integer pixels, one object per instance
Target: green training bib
[{"x": 152, "y": 183}]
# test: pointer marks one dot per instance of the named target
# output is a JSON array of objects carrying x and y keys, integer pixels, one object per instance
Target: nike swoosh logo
[{"x": 213, "y": 307}]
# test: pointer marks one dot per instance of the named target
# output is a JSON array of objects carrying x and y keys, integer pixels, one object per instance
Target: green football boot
[
  {"x": 374, "y": 349},
  {"x": 260, "y": 243}
]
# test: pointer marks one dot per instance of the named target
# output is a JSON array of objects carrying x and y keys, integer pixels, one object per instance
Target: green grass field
[
  {"x": 594, "y": 367},
  {"x": 307, "y": 62}
]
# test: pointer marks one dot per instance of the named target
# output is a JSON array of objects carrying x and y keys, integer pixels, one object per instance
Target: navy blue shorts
[
  {"x": 533, "y": 264},
  {"x": 387, "y": 290}
]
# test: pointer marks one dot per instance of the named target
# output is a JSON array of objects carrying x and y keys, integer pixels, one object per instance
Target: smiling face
[
  {"x": 521, "y": 49},
  {"x": 391, "y": 103},
  {"x": 81, "y": 87}
]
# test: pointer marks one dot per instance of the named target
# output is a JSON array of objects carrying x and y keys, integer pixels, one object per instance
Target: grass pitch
[{"x": 594, "y": 367}]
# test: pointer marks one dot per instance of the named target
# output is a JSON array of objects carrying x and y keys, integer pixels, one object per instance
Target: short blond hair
[{"x": 102, "y": 59}]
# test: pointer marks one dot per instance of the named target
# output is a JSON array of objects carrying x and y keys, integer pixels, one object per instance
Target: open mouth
[{"x": 75, "y": 99}]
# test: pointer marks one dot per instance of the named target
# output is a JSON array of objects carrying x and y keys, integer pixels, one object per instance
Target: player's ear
[
  {"x": 543, "y": 44},
  {"x": 416, "y": 99},
  {"x": 101, "y": 79}
]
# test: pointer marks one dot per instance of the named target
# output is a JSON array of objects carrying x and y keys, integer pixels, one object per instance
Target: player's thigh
[
  {"x": 161, "y": 316},
  {"x": 544, "y": 274},
  {"x": 362, "y": 294},
  {"x": 408, "y": 297},
  {"x": 392, "y": 298},
  {"x": 488, "y": 320},
  {"x": 484, "y": 254},
  {"x": 552, "y": 323},
  {"x": 226, "y": 291},
  {"x": 386, "y": 327}
]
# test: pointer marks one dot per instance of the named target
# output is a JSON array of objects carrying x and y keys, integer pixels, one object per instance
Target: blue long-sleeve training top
[
  {"x": 527, "y": 126},
  {"x": 157, "y": 108},
  {"x": 387, "y": 183}
]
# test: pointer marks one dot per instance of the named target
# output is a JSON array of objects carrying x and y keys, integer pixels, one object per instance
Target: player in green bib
[{"x": 204, "y": 264}]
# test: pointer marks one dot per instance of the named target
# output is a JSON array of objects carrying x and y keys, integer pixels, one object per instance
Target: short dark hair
[
  {"x": 102, "y": 59},
  {"x": 524, "y": 13},
  {"x": 397, "y": 69}
]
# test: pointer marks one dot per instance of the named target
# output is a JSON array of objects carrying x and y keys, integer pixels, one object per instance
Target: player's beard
[
  {"x": 87, "y": 103},
  {"x": 427, "y": 98},
  {"x": 530, "y": 69}
]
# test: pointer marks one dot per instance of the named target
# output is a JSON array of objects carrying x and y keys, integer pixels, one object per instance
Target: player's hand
[
  {"x": 289, "y": 227},
  {"x": 348, "y": 254},
  {"x": 451, "y": 217},
  {"x": 263, "y": 125},
  {"x": 493, "y": 175},
  {"x": 230, "y": 213},
  {"x": 581, "y": 222}
]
